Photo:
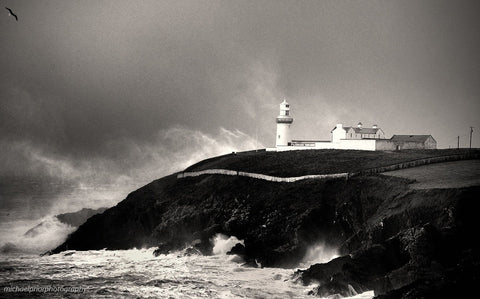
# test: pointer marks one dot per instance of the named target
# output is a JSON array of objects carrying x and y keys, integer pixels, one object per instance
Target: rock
[
  {"x": 162, "y": 249},
  {"x": 358, "y": 273},
  {"x": 435, "y": 270},
  {"x": 321, "y": 273},
  {"x": 337, "y": 285},
  {"x": 203, "y": 245},
  {"x": 238, "y": 249},
  {"x": 192, "y": 251},
  {"x": 252, "y": 263},
  {"x": 8, "y": 248}
]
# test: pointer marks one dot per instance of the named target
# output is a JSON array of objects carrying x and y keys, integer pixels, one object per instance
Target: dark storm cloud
[
  {"x": 129, "y": 68},
  {"x": 93, "y": 89}
]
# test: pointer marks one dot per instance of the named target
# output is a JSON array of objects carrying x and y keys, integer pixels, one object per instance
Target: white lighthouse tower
[{"x": 284, "y": 121}]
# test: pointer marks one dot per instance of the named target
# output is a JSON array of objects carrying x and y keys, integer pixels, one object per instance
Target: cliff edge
[{"x": 399, "y": 241}]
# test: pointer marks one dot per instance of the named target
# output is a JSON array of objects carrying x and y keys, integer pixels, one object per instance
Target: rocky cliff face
[
  {"x": 397, "y": 241},
  {"x": 277, "y": 220},
  {"x": 79, "y": 217},
  {"x": 417, "y": 245}
]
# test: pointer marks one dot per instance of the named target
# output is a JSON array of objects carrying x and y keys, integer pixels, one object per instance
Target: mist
[
  {"x": 63, "y": 184},
  {"x": 48, "y": 233},
  {"x": 105, "y": 97},
  {"x": 318, "y": 253}
]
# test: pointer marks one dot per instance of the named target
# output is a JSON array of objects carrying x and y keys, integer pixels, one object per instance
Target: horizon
[{"x": 98, "y": 98}]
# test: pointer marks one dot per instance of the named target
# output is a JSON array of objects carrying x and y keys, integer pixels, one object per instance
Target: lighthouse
[{"x": 284, "y": 121}]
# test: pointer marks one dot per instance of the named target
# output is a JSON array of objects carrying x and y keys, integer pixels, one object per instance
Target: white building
[
  {"x": 352, "y": 138},
  {"x": 359, "y": 132},
  {"x": 284, "y": 121}
]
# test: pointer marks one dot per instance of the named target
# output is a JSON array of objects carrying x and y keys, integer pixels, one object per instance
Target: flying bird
[{"x": 10, "y": 13}]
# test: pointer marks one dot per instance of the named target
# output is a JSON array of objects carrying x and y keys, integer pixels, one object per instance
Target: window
[
  {"x": 287, "y": 112},
  {"x": 278, "y": 136},
  {"x": 287, "y": 106}
]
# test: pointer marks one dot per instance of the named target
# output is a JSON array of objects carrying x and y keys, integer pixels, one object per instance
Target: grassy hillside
[
  {"x": 297, "y": 163},
  {"x": 455, "y": 174},
  {"x": 395, "y": 240}
]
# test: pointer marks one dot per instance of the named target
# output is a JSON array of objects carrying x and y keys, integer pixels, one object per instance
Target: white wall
[
  {"x": 347, "y": 144},
  {"x": 283, "y": 134},
  {"x": 318, "y": 145},
  {"x": 325, "y": 145},
  {"x": 357, "y": 144},
  {"x": 338, "y": 133}
]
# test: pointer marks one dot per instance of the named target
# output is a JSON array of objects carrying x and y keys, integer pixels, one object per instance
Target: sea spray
[
  {"x": 318, "y": 253},
  {"x": 138, "y": 273},
  {"x": 33, "y": 236},
  {"x": 223, "y": 244}
]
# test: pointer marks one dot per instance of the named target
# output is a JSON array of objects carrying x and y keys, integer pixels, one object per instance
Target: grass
[
  {"x": 455, "y": 174},
  {"x": 297, "y": 163}
]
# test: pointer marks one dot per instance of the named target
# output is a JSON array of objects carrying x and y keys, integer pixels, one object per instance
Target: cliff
[
  {"x": 394, "y": 239},
  {"x": 79, "y": 217},
  {"x": 73, "y": 219}
]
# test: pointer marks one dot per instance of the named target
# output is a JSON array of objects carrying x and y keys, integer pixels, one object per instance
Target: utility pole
[
  {"x": 256, "y": 137},
  {"x": 471, "y": 131},
  {"x": 458, "y": 142}
]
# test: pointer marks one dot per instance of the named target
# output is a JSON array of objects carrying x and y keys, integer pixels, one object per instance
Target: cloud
[{"x": 105, "y": 180}]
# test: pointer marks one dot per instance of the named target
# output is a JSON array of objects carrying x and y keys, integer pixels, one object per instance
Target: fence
[
  {"x": 261, "y": 176},
  {"x": 419, "y": 162}
]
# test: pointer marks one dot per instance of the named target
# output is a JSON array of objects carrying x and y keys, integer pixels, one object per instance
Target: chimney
[
  {"x": 375, "y": 126},
  {"x": 359, "y": 125},
  {"x": 340, "y": 126}
]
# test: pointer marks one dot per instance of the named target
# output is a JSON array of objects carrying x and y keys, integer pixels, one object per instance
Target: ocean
[
  {"x": 134, "y": 273},
  {"x": 137, "y": 273}
]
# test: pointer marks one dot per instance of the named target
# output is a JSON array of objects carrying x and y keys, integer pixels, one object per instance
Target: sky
[{"x": 105, "y": 96}]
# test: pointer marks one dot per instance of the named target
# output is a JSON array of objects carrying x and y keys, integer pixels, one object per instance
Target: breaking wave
[
  {"x": 319, "y": 253},
  {"x": 223, "y": 244},
  {"x": 137, "y": 273}
]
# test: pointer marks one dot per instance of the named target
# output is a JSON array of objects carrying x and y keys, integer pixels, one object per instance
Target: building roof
[
  {"x": 411, "y": 138},
  {"x": 363, "y": 130}
]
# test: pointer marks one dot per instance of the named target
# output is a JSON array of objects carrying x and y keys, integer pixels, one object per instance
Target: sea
[
  {"x": 137, "y": 273},
  {"x": 134, "y": 273}
]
